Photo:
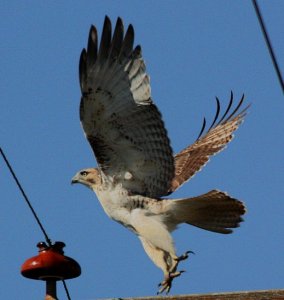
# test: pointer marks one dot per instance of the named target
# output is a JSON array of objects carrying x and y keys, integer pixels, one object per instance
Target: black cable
[
  {"x": 66, "y": 290},
  {"x": 48, "y": 240},
  {"x": 268, "y": 43}
]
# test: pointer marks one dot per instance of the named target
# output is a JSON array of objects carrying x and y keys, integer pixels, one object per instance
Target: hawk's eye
[{"x": 84, "y": 173}]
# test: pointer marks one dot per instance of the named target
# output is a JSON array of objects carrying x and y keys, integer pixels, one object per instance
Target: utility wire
[
  {"x": 268, "y": 43},
  {"x": 48, "y": 240},
  {"x": 66, "y": 289}
]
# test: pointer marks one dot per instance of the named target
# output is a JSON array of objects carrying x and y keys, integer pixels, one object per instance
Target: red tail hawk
[{"x": 136, "y": 165}]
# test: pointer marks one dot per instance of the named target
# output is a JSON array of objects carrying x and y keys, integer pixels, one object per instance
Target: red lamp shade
[{"x": 50, "y": 264}]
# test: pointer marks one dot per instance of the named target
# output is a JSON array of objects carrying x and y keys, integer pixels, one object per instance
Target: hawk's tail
[{"x": 215, "y": 211}]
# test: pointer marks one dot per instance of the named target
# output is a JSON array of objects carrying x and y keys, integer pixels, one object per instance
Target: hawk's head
[{"x": 89, "y": 177}]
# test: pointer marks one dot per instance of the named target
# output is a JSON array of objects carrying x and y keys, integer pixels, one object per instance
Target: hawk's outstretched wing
[
  {"x": 121, "y": 123},
  {"x": 191, "y": 159}
]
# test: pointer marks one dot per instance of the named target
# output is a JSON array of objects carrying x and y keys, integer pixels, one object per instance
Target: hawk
[{"x": 136, "y": 166}]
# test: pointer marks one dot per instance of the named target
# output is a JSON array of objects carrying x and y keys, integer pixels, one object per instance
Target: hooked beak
[{"x": 75, "y": 179}]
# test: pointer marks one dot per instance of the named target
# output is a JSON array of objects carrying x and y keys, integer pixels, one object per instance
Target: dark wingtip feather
[
  {"x": 83, "y": 68},
  {"x": 217, "y": 113},
  {"x": 237, "y": 108},
  {"x": 92, "y": 49},
  {"x": 107, "y": 19},
  {"x": 225, "y": 118},
  {"x": 130, "y": 30},
  {"x": 202, "y": 129},
  {"x": 105, "y": 39},
  {"x": 128, "y": 42},
  {"x": 117, "y": 39},
  {"x": 119, "y": 27},
  {"x": 119, "y": 21},
  {"x": 228, "y": 109},
  {"x": 137, "y": 52}
]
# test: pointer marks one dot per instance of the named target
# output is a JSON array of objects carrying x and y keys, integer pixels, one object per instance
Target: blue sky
[{"x": 194, "y": 51}]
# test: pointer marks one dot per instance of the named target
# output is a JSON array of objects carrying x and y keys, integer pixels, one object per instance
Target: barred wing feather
[
  {"x": 120, "y": 121},
  {"x": 191, "y": 159}
]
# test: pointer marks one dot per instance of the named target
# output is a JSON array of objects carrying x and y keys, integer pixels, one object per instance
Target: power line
[
  {"x": 48, "y": 240},
  {"x": 268, "y": 43},
  {"x": 66, "y": 290}
]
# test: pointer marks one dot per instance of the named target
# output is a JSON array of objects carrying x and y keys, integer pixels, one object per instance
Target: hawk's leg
[{"x": 166, "y": 284}]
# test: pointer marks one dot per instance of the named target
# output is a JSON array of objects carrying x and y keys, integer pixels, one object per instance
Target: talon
[
  {"x": 165, "y": 287},
  {"x": 167, "y": 283},
  {"x": 176, "y": 274},
  {"x": 184, "y": 256}
]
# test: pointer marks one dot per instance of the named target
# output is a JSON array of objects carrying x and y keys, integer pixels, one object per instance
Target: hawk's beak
[{"x": 75, "y": 179}]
